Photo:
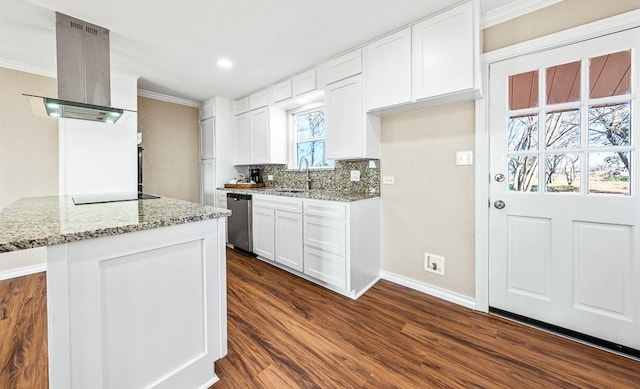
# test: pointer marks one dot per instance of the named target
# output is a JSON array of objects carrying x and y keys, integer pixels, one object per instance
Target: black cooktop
[{"x": 111, "y": 197}]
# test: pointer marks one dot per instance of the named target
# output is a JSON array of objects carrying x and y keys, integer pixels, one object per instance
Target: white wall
[{"x": 100, "y": 157}]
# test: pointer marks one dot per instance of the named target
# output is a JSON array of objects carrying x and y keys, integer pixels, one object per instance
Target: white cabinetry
[
  {"x": 341, "y": 244},
  {"x": 261, "y": 137},
  {"x": 388, "y": 70},
  {"x": 241, "y": 106},
  {"x": 351, "y": 133},
  {"x": 207, "y": 138},
  {"x": 277, "y": 230},
  {"x": 208, "y": 181},
  {"x": 282, "y": 91},
  {"x": 263, "y": 230},
  {"x": 304, "y": 83},
  {"x": 207, "y": 154},
  {"x": 259, "y": 99},
  {"x": 446, "y": 53},
  {"x": 344, "y": 66}
]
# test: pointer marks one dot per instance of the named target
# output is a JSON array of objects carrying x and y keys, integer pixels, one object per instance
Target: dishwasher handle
[{"x": 238, "y": 196}]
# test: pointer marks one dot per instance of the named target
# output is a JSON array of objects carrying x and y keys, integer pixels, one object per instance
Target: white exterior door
[{"x": 564, "y": 195}]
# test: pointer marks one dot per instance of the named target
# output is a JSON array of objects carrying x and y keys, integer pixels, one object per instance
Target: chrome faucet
[{"x": 308, "y": 180}]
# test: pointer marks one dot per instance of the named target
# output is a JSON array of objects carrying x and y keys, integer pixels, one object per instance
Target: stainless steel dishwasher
[{"x": 239, "y": 223}]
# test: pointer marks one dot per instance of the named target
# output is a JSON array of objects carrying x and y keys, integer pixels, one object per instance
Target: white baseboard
[
  {"x": 23, "y": 271},
  {"x": 359, "y": 294},
  {"x": 429, "y": 289}
]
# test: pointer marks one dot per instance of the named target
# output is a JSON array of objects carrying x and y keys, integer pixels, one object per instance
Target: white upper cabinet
[
  {"x": 344, "y": 66},
  {"x": 261, "y": 137},
  {"x": 304, "y": 83},
  {"x": 207, "y": 110},
  {"x": 243, "y": 139},
  {"x": 388, "y": 70},
  {"x": 281, "y": 91},
  {"x": 241, "y": 106},
  {"x": 259, "y": 99},
  {"x": 207, "y": 139},
  {"x": 446, "y": 53},
  {"x": 351, "y": 132}
]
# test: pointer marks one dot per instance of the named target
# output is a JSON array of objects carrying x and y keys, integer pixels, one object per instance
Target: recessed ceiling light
[{"x": 224, "y": 63}]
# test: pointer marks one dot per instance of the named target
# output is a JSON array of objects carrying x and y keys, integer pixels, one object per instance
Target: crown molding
[
  {"x": 23, "y": 67},
  {"x": 513, "y": 10},
  {"x": 169, "y": 99}
]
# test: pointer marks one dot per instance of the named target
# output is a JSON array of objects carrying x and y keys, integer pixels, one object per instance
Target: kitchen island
[{"x": 136, "y": 290}]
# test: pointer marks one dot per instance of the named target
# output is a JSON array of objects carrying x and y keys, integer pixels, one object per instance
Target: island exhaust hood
[{"x": 84, "y": 75}]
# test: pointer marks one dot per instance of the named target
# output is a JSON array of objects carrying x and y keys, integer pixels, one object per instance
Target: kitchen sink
[{"x": 290, "y": 190}]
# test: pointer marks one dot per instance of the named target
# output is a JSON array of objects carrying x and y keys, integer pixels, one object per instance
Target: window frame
[{"x": 293, "y": 138}]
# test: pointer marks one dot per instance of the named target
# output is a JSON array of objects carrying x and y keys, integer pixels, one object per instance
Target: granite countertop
[
  {"x": 312, "y": 194},
  {"x": 45, "y": 221}
]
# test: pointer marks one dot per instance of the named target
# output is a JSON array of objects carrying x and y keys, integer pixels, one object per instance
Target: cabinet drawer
[
  {"x": 279, "y": 203},
  {"x": 282, "y": 91},
  {"x": 259, "y": 99},
  {"x": 326, "y": 267},
  {"x": 344, "y": 66},
  {"x": 326, "y": 209},
  {"x": 325, "y": 234},
  {"x": 305, "y": 82},
  {"x": 241, "y": 106}
]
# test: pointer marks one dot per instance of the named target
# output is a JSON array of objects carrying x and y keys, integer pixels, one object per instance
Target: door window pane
[
  {"x": 523, "y": 173},
  {"x": 563, "y": 129},
  {"x": 523, "y": 133},
  {"x": 609, "y": 172},
  {"x": 523, "y": 90},
  {"x": 562, "y": 173},
  {"x": 610, "y": 75},
  {"x": 609, "y": 125},
  {"x": 563, "y": 83}
]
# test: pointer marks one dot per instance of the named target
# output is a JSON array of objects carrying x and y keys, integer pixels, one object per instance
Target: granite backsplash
[{"x": 337, "y": 179}]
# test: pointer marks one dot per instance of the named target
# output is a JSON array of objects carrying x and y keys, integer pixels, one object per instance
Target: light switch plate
[
  {"x": 464, "y": 158},
  {"x": 389, "y": 180},
  {"x": 355, "y": 175},
  {"x": 269, "y": 177}
]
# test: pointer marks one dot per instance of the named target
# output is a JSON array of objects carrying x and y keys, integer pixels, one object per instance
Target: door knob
[
  {"x": 499, "y": 177},
  {"x": 499, "y": 204}
]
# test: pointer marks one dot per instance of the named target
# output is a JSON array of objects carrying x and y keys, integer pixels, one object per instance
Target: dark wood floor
[
  {"x": 285, "y": 332},
  {"x": 23, "y": 333}
]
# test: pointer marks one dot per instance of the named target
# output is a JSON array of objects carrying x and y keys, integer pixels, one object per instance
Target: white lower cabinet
[
  {"x": 277, "y": 230},
  {"x": 263, "y": 231},
  {"x": 289, "y": 239},
  {"x": 342, "y": 244},
  {"x": 332, "y": 243}
]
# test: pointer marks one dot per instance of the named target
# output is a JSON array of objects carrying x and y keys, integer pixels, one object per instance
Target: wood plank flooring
[
  {"x": 285, "y": 332},
  {"x": 23, "y": 333}
]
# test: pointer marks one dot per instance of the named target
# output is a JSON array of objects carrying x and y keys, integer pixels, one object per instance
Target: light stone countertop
[
  {"x": 46, "y": 221},
  {"x": 312, "y": 194}
]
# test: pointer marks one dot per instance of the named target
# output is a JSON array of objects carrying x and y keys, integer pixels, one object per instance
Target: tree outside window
[{"x": 309, "y": 132}]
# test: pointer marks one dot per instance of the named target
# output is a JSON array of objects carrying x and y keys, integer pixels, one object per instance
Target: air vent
[
  {"x": 77, "y": 26},
  {"x": 91, "y": 30}
]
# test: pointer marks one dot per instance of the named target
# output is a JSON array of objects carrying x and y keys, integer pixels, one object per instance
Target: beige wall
[
  {"x": 28, "y": 143},
  {"x": 431, "y": 206},
  {"x": 559, "y": 17},
  {"x": 170, "y": 137}
]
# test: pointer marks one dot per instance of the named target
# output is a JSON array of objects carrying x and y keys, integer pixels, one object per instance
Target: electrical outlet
[
  {"x": 269, "y": 177},
  {"x": 355, "y": 175},
  {"x": 434, "y": 263},
  {"x": 464, "y": 158},
  {"x": 389, "y": 180}
]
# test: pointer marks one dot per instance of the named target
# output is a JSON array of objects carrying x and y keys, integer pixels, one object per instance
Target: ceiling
[{"x": 173, "y": 45}]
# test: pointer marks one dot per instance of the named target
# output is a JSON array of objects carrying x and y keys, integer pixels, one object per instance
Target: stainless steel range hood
[{"x": 84, "y": 75}]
